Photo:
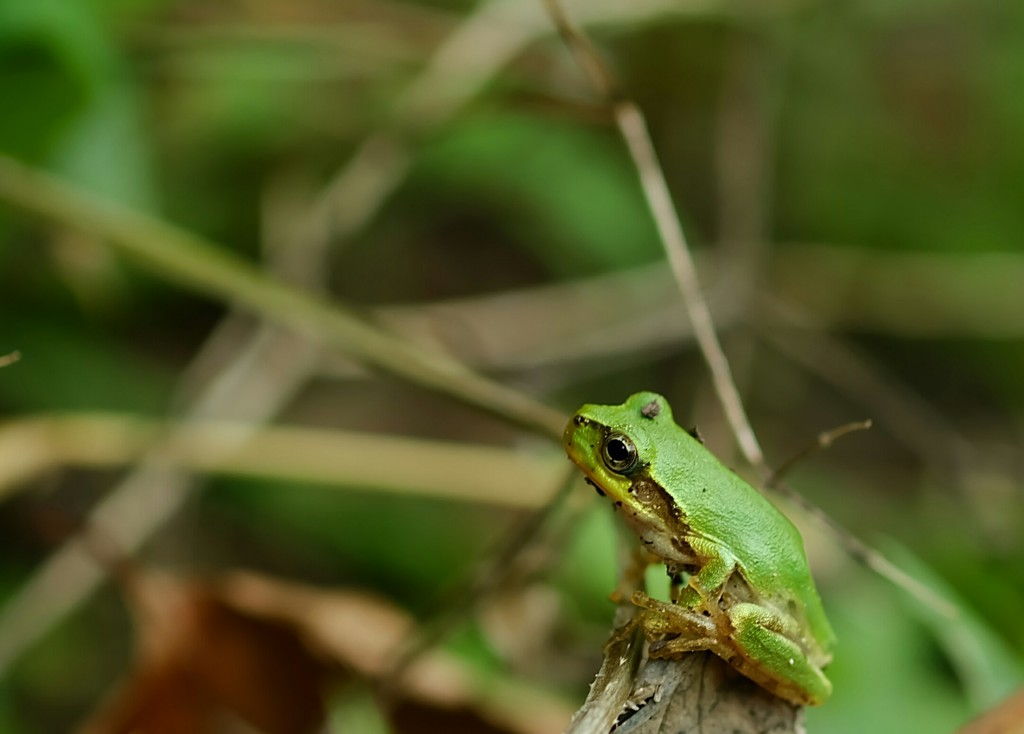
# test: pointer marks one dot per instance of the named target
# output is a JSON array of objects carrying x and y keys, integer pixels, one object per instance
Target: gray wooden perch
[{"x": 696, "y": 694}]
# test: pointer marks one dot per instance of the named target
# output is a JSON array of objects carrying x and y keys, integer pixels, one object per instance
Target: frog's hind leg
[{"x": 769, "y": 656}]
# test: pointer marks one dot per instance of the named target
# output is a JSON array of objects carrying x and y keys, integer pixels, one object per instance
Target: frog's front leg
[
  {"x": 694, "y": 619},
  {"x": 705, "y": 587},
  {"x": 674, "y": 629}
]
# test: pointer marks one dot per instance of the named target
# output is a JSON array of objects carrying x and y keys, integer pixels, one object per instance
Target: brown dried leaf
[
  {"x": 362, "y": 633},
  {"x": 203, "y": 662},
  {"x": 248, "y": 652},
  {"x": 1006, "y": 718}
]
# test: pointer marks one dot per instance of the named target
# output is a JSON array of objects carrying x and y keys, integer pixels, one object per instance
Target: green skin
[{"x": 750, "y": 598}]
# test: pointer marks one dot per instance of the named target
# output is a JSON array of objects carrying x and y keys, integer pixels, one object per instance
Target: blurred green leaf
[
  {"x": 986, "y": 668},
  {"x": 355, "y": 709},
  {"x": 107, "y": 152},
  {"x": 885, "y": 675},
  {"x": 64, "y": 367},
  {"x": 54, "y": 55},
  {"x": 586, "y": 566},
  {"x": 414, "y": 548}
]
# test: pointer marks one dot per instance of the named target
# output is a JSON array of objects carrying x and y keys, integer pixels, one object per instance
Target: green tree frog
[{"x": 742, "y": 586}]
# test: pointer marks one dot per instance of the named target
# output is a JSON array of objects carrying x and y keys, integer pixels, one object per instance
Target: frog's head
[
  {"x": 615, "y": 447},
  {"x": 612, "y": 444}
]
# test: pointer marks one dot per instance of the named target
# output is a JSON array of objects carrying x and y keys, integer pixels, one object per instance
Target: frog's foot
[
  {"x": 766, "y": 653},
  {"x": 673, "y": 629}
]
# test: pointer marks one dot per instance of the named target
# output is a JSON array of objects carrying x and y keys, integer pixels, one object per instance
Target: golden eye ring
[{"x": 618, "y": 453}]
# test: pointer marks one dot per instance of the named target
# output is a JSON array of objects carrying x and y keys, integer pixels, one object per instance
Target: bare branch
[
  {"x": 370, "y": 461},
  {"x": 824, "y": 440},
  {"x": 633, "y": 128}
]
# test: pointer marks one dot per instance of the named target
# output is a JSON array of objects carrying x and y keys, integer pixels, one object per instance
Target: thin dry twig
[
  {"x": 633, "y": 128},
  {"x": 824, "y": 440},
  {"x": 851, "y": 543},
  {"x": 382, "y": 462},
  {"x": 181, "y": 256},
  {"x": 806, "y": 342}
]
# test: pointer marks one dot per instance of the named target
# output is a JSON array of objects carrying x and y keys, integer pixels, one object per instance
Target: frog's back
[{"x": 720, "y": 505}]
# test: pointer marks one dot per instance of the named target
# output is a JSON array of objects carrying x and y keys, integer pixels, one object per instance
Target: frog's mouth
[
  {"x": 600, "y": 484},
  {"x": 595, "y": 485}
]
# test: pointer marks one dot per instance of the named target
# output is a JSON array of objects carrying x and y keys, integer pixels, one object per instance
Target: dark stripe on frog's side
[{"x": 651, "y": 494}]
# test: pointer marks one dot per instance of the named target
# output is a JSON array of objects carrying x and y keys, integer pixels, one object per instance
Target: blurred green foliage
[{"x": 887, "y": 126}]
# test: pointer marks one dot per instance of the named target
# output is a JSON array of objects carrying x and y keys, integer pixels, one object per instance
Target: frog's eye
[{"x": 618, "y": 452}]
